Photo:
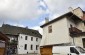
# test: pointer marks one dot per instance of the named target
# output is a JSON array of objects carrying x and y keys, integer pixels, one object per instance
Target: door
[
  {"x": 2, "y": 48},
  {"x": 46, "y": 50},
  {"x": 2, "y": 51},
  {"x": 83, "y": 42}
]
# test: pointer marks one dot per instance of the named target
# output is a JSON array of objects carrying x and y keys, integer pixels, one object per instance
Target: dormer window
[{"x": 50, "y": 29}]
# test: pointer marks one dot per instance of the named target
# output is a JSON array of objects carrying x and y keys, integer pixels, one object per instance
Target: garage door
[{"x": 46, "y": 50}]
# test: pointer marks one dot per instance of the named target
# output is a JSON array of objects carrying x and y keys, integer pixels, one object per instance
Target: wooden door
[
  {"x": 46, "y": 50},
  {"x": 2, "y": 51}
]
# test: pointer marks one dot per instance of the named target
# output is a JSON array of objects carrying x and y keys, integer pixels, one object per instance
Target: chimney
[
  {"x": 46, "y": 20},
  {"x": 70, "y": 9}
]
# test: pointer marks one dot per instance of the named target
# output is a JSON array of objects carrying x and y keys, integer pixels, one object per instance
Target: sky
[{"x": 32, "y": 13}]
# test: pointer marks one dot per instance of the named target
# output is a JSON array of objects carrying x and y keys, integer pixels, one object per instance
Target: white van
[{"x": 68, "y": 50}]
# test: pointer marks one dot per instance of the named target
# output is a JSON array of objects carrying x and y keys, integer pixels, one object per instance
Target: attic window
[{"x": 50, "y": 29}]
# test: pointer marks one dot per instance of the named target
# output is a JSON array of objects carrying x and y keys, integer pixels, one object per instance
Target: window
[
  {"x": 21, "y": 37},
  {"x": 31, "y": 38},
  {"x": 50, "y": 29},
  {"x": 25, "y": 47},
  {"x": 31, "y": 47},
  {"x": 84, "y": 23},
  {"x": 83, "y": 40},
  {"x": 71, "y": 26},
  {"x": 36, "y": 47},
  {"x": 73, "y": 50},
  {"x": 36, "y": 39},
  {"x": 25, "y": 37},
  {"x": 81, "y": 49}
]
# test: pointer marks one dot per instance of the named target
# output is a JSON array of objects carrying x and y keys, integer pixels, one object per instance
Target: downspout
[{"x": 73, "y": 41}]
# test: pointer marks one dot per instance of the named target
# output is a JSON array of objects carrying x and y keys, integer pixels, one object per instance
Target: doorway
[{"x": 46, "y": 50}]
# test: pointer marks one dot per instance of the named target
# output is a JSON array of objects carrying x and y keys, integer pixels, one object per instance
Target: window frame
[
  {"x": 36, "y": 47},
  {"x": 36, "y": 39},
  {"x": 31, "y": 47},
  {"x": 31, "y": 38},
  {"x": 25, "y": 47},
  {"x": 73, "y": 50},
  {"x": 50, "y": 29},
  {"x": 83, "y": 40},
  {"x": 26, "y": 37}
]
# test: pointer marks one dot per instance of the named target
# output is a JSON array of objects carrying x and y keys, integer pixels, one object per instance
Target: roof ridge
[
  {"x": 6, "y": 28},
  {"x": 18, "y": 27}
]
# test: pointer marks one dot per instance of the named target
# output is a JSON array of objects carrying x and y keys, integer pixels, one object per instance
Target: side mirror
[{"x": 77, "y": 52}]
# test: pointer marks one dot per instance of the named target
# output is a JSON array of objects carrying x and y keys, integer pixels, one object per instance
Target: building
[
  {"x": 28, "y": 44},
  {"x": 21, "y": 39},
  {"x": 3, "y": 44},
  {"x": 67, "y": 29}
]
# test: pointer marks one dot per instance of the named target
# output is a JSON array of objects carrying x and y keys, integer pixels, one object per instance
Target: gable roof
[
  {"x": 3, "y": 37},
  {"x": 60, "y": 17},
  {"x": 56, "y": 19},
  {"x": 14, "y": 30},
  {"x": 81, "y": 10}
]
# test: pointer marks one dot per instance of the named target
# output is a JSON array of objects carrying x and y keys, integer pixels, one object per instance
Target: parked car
[{"x": 68, "y": 50}]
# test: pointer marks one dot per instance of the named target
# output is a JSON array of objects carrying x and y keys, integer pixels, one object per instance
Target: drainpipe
[{"x": 73, "y": 41}]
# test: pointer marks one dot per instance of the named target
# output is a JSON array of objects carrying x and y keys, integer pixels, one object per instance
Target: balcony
[{"x": 75, "y": 32}]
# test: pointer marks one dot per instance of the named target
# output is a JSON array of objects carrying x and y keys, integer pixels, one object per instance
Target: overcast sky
[{"x": 30, "y": 13}]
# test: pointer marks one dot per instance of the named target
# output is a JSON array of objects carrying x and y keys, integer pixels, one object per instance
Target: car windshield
[{"x": 81, "y": 49}]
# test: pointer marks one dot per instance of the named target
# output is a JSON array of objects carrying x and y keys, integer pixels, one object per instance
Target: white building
[
  {"x": 28, "y": 44},
  {"x": 22, "y": 40},
  {"x": 68, "y": 29}
]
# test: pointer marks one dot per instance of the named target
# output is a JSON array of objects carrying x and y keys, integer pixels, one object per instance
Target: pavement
[{"x": 25, "y": 54}]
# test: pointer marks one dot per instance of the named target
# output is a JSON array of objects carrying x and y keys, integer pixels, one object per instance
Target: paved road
[{"x": 25, "y": 54}]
